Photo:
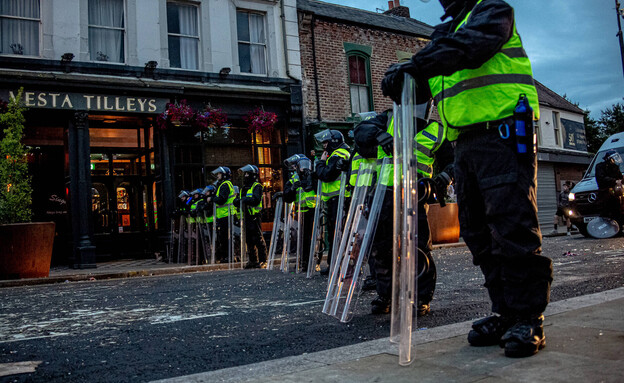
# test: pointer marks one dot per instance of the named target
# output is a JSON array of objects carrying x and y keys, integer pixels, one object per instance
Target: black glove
[
  {"x": 392, "y": 83},
  {"x": 277, "y": 195},
  {"x": 236, "y": 201},
  {"x": 296, "y": 185},
  {"x": 342, "y": 164},
  {"x": 386, "y": 141}
]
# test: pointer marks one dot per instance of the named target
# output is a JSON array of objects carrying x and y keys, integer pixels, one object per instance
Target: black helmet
[
  {"x": 304, "y": 164},
  {"x": 208, "y": 190},
  {"x": 222, "y": 170},
  {"x": 249, "y": 169},
  {"x": 184, "y": 193},
  {"x": 612, "y": 156},
  {"x": 291, "y": 162},
  {"x": 334, "y": 139},
  {"x": 197, "y": 191},
  {"x": 452, "y": 8}
]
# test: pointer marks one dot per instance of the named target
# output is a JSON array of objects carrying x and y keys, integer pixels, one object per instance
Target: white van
[{"x": 583, "y": 197}]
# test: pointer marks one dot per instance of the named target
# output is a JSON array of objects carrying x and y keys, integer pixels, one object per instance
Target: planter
[
  {"x": 444, "y": 223},
  {"x": 26, "y": 250}
]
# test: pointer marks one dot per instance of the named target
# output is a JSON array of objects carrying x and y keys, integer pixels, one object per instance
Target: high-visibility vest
[
  {"x": 308, "y": 199},
  {"x": 190, "y": 218},
  {"x": 253, "y": 209},
  {"x": 388, "y": 177},
  {"x": 227, "y": 208},
  {"x": 332, "y": 189},
  {"x": 427, "y": 142},
  {"x": 355, "y": 165},
  {"x": 487, "y": 93}
]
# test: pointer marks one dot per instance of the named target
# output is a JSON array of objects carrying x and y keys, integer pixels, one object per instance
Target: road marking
[
  {"x": 21, "y": 338},
  {"x": 18, "y": 368},
  {"x": 159, "y": 319},
  {"x": 305, "y": 303}
]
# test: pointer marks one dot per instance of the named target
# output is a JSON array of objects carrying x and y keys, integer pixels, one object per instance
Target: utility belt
[
  {"x": 489, "y": 127},
  {"x": 505, "y": 128}
]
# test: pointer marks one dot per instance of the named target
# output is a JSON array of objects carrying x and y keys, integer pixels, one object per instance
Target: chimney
[{"x": 396, "y": 9}]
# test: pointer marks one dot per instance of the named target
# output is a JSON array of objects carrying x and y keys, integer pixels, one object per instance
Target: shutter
[{"x": 546, "y": 195}]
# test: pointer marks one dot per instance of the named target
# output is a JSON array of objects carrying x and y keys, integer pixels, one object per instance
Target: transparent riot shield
[
  {"x": 243, "y": 233},
  {"x": 181, "y": 238},
  {"x": 213, "y": 246},
  {"x": 205, "y": 237},
  {"x": 359, "y": 244},
  {"x": 275, "y": 233},
  {"x": 173, "y": 241},
  {"x": 315, "y": 245},
  {"x": 286, "y": 248},
  {"x": 335, "y": 284},
  {"x": 339, "y": 219},
  {"x": 300, "y": 228},
  {"x": 603, "y": 227},
  {"x": 405, "y": 222}
]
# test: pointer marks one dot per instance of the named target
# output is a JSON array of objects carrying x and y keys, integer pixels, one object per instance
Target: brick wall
[{"x": 333, "y": 81}]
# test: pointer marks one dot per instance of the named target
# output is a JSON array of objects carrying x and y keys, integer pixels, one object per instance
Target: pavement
[{"x": 584, "y": 343}]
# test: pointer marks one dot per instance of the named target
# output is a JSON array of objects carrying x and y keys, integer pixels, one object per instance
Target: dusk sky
[{"x": 572, "y": 44}]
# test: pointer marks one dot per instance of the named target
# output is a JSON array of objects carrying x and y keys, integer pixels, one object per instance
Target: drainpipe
[{"x": 316, "y": 86}]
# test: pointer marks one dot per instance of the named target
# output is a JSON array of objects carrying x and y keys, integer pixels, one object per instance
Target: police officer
[
  {"x": 374, "y": 138},
  {"x": 475, "y": 68},
  {"x": 184, "y": 198},
  {"x": 224, "y": 201},
  {"x": 251, "y": 197},
  {"x": 334, "y": 160},
  {"x": 301, "y": 181},
  {"x": 608, "y": 178}
]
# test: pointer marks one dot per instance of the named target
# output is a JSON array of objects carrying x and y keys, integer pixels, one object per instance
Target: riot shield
[
  {"x": 205, "y": 237},
  {"x": 335, "y": 284},
  {"x": 358, "y": 248},
  {"x": 275, "y": 233},
  {"x": 243, "y": 234},
  {"x": 603, "y": 227},
  {"x": 316, "y": 233},
  {"x": 181, "y": 238},
  {"x": 286, "y": 248},
  {"x": 339, "y": 217},
  {"x": 405, "y": 222},
  {"x": 213, "y": 246},
  {"x": 299, "y": 231},
  {"x": 173, "y": 240}
]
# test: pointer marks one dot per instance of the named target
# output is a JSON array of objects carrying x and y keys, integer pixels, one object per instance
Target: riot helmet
[
  {"x": 330, "y": 139},
  {"x": 452, "y": 8},
  {"x": 291, "y": 162},
  {"x": 197, "y": 191},
  {"x": 250, "y": 173},
  {"x": 304, "y": 165},
  {"x": 224, "y": 171},
  {"x": 613, "y": 157},
  {"x": 209, "y": 190},
  {"x": 184, "y": 194}
]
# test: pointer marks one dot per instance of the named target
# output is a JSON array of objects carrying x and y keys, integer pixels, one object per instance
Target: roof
[
  {"x": 551, "y": 99},
  {"x": 369, "y": 19}
]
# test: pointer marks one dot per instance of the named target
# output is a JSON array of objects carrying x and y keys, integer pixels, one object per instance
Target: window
[
  {"x": 183, "y": 29},
  {"x": 251, "y": 42},
  {"x": 19, "y": 27},
  {"x": 556, "y": 129},
  {"x": 359, "y": 85},
  {"x": 538, "y": 132},
  {"x": 106, "y": 30}
]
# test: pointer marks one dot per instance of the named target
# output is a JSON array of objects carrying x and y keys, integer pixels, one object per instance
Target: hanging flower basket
[
  {"x": 211, "y": 118},
  {"x": 259, "y": 121},
  {"x": 177, "y": 114}
]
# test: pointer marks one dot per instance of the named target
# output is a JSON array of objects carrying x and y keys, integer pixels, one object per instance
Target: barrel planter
[
  {"x": 444, "y": 223},
  {"x": 26, "y": 250}
]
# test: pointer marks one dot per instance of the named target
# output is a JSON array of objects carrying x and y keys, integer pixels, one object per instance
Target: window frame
[
  {"x": 124, "y": 31},
  {"x": 249, "y": 43},
  {"x": 39, "y": 32},
  {"x": 368, "y": 85},
  {"x": 179, "y": 35},
  {"x": 557, "y": 128}
]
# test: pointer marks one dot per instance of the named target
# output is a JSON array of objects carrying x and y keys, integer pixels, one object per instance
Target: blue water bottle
[{"x": 523, "y": 116}]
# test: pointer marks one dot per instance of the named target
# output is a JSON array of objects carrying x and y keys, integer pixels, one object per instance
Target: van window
[{"x": 598, "y": 158}]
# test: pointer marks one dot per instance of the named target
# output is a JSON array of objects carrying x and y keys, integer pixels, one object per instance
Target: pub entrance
[{"x": 124, "y": 199}]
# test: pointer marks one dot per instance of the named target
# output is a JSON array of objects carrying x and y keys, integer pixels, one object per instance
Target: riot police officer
[
  {"x": 333, "y": 161},
  {"x": 224, "y": 201},
  {"x": 609, "y": 178},
  {"x": 251, "y": 197}
]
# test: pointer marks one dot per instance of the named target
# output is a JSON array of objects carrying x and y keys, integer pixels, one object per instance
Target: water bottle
[{"x": 523, "y": 116}]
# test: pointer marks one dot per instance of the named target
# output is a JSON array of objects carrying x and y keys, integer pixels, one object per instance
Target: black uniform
[
  {"x": 289, "y": 196},
  {"x": 256, "y": 246},
  {"x": 607, "y": 173},
  {"x": 221, "y": 253}
]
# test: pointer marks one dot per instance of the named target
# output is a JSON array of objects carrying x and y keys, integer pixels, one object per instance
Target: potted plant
[
  {"x": 211, "y": 118},
  {"x": 26, "y": 250},
  {"x": 259, "y": 121},
  {"x": 176, "y": 114}
]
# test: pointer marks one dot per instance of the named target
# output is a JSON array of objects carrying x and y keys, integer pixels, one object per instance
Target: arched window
[{"x": 358, "y": 58}]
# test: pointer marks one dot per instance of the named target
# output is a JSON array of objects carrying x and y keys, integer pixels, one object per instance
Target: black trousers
[
  {"x": 221, "y": 251},
  {"x": 256, "y": 246},
  {"x": 497, "y": 203},
  {"x": 382, "y": 253}
]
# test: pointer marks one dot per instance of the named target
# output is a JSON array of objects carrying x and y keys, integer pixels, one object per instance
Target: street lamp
[{"x": 619, "y": 34}]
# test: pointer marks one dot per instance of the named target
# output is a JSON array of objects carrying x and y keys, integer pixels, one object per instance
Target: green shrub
[{"x": 16, "y": 193}]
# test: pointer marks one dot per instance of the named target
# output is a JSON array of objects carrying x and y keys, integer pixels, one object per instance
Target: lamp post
[{"x": 619, "y": 34}]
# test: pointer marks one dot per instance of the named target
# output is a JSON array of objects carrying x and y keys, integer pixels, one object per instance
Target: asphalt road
[{"x": 142, "y": 329}]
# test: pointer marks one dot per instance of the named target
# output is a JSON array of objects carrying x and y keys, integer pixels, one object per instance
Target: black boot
[
  {"x": 380, "y": 305},
  {"x": 525, "y": 338},
  {"x": 488, "y": 331},
  {"x": 369, "y": 284}
]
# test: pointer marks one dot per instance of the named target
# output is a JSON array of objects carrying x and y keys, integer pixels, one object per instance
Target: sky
[{"x": 572, "y": 44}]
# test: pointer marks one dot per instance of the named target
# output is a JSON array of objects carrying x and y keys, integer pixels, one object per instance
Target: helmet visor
[
  {"x": 291, "y": 162},
  {"x": 248, "y": 169},
  {"x": 304, "y": 164},
  {"x": 323, "y": 136}
]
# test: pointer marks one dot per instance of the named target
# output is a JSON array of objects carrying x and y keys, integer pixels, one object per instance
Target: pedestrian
[
  {"x": 224, "y": 201},
  {"x": 300, "y": 190},
  {"x": 476, "y": 70},
  {"x": 563, "y": 202},
  {"x": 251, "y": 198},
  {"x": 333, "y": 161},
  {"x": 373, "y": 138}
]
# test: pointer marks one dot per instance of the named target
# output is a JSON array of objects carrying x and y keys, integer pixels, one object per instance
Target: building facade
[{"x": 97, "y": 74}]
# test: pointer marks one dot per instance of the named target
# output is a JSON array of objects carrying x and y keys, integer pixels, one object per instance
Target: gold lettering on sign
[
  {"x": 152, "y": 105},
  {"x": 97, "y": 99},
  {"x": 130, "y": 104},
  {"x": 142, "y": 104},
  {"x": 67, "y": 101},
  {"x": 88, "y": 98},
  {"x": 106, "y": 106},
  {"x": 29, "y": 98},
  {"x": 118, "y": 107},
  {"x": 42, "y": 101},
  {"x": 54, "y": 96}
]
